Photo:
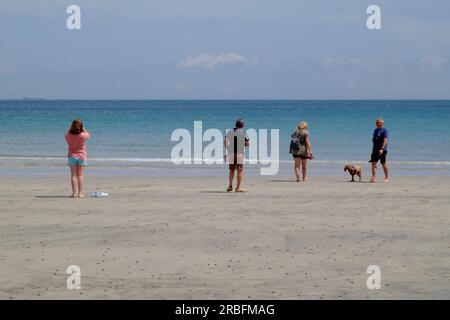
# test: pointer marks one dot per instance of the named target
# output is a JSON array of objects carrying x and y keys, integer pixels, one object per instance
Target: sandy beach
[{"x": 185, "y": 238}]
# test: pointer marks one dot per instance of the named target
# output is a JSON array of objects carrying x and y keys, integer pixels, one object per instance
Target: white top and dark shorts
[{"x": 237, "y": 140}]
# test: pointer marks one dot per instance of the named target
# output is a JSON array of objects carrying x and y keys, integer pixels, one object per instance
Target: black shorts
[
  {"x": 301, "y": 157},
  {"x": 377, "y": 157},
  {"x": 236, "y": 166}
]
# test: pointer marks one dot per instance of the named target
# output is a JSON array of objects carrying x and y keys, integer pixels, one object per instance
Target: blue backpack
[{"x": 295, "y": 143}]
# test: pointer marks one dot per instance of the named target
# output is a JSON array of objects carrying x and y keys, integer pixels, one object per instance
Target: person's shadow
[
  {"x": 214, "y": 192},
  {"x": 349, "y": 181},
  {"x": 51, "y": 197}
]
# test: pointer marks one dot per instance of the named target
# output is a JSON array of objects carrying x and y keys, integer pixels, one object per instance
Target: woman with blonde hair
[
  {"x": 300, "y": 149},
  {"x": 76, "y": 138}
]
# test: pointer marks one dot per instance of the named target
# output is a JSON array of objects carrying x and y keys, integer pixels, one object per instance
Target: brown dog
[{"x": 353, "y": 170}]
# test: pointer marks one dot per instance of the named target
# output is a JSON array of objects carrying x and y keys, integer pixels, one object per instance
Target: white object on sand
[{"x": 99, "y": 194}]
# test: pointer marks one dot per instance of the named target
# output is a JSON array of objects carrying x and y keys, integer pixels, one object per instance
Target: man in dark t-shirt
[{"x": 379, "y": 150}]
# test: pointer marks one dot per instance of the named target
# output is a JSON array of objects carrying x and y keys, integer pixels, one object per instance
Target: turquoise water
[{"x": 140, "y": 131}]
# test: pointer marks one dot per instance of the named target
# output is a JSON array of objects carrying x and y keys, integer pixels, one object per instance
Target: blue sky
[{"x": 234, "y": 49}]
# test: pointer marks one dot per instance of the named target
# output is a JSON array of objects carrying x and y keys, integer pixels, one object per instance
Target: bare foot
[
  {"x": 386, "y": 180},
  {"x": 305, "y": 179},
  {"x": 73, "y": 196},
  {"x": 81, "y": 195},
  {"x": 373, "y": 180}
]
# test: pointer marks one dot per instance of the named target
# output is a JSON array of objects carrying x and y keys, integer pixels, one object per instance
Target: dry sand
[{"x": 185, "y": 238}]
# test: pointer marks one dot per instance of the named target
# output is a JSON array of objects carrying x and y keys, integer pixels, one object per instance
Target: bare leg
[
  {"x": 80, "y": 181},
  {"x": 240, "y": 174},
  {"x": 73, "y": 180},
  {"x": 304, "y": 169},
  {"x": 374, "y": 172},
  {"x": 297, "y": 168},
  {"x": 386, "y": 172},
  {"x": 230, "y": 178}
]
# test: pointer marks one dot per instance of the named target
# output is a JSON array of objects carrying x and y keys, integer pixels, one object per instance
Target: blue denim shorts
[{"x": 76, "y": 162}]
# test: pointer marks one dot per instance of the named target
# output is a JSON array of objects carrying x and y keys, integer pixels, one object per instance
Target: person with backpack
[{"x": 300, "y": 149}]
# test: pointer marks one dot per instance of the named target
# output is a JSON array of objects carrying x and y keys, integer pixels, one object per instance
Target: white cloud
[
  {"x": 435, "y": 61},
  {"x": 210, "y": 61},
  {"x": 354, "y": 62}
]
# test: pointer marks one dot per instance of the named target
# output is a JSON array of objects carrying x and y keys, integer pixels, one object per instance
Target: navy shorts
[
  {"x": 377, "y": 157},
  {"x": 301, "y": 157}
]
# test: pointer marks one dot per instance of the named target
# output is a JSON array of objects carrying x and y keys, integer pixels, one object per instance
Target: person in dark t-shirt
[
  {"x": 379, "y": 150},
  {"x": 235, "y": 142}
]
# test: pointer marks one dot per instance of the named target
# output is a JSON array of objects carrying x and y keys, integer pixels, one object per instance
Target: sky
[{"x": 233, "y": 49}]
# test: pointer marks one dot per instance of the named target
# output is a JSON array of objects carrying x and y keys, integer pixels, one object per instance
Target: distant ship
[{"x": 33, "y": 98}]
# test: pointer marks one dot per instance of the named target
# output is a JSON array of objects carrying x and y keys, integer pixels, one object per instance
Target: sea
[{"x": 134, "y": 136}]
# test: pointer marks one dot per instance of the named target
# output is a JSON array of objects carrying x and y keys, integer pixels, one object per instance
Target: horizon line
[{"x": 222, "y": 99}]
